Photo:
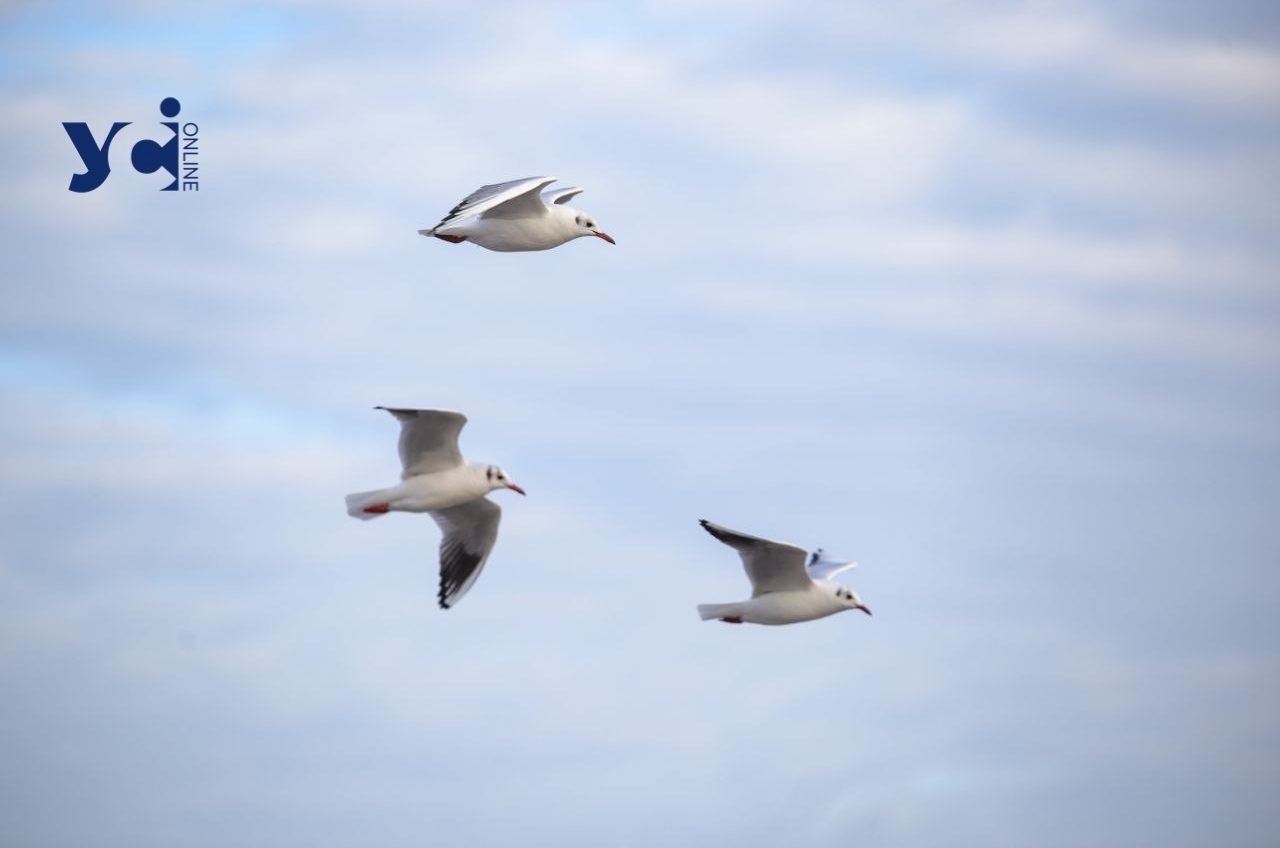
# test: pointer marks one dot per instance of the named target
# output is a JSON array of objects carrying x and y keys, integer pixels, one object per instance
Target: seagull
[
  {"x": 784, "y": 590},
  {"x": 517, "y": 215},
  {"x": 439, "y": 481}
]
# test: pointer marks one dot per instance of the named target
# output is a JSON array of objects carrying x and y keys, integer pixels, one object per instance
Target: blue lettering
[{"x": 96, "y": 163}]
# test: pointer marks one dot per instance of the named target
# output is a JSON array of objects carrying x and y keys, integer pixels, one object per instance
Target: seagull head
[
  {"x": 850, "y": 599},
  {"x": 498, "y": 479},
  {"x": 585, "y": 225}
]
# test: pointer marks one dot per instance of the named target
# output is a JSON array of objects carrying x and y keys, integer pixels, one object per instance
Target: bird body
[
  {"x": 517, "y": 216},
  {"x": 437, "y": 480},
  {"x": 424, "y": 492},
  {"x": 791, "y": 607},
  {"x": 508, "y": 235},
  {"x": 785, "y": 589}
]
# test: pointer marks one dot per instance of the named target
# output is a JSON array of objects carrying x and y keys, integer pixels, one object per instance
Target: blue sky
[{"x": 985, "y": 296}]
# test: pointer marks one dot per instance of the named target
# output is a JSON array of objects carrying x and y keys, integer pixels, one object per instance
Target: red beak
[
  {"x": 515, "y": 488},
  {"x": 864, "y": 609},
  {"x": 606, "y": 237}
]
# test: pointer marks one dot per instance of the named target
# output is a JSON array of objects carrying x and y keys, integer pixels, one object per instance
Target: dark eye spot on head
[{"x": 488, "y": 474}]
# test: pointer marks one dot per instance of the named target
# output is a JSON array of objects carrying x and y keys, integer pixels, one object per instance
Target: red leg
[
  {"x": 452, "y": 239},
  {"x": 378, "y": 508},
  {"x": 732, "y": 619}
]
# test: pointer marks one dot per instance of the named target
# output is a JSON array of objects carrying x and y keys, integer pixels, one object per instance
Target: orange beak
[{"x": 606, "y": 237}]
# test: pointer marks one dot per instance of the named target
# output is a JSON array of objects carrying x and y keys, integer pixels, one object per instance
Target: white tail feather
[
  {"x": 710, "y": 611},
  {"x": 358, "y": 501}
]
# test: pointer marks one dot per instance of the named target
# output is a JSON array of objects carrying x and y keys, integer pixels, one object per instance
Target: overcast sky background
[{"x": 985, "y": 296}]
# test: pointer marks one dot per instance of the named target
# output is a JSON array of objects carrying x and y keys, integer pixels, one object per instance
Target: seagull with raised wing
[
  {"x": 787, "y": 586},
  {"x": 517, "y": 215},
  {"x": 437, "y": 480}
]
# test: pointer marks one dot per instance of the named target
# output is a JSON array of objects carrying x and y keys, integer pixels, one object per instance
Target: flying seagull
[
  {"x": 517, "y": 215},
  {"x": 437, "y": 480},
  {"x": 784, "y": 590}
]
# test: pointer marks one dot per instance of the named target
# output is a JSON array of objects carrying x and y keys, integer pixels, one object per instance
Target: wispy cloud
[{"x": 981, "y": 297}]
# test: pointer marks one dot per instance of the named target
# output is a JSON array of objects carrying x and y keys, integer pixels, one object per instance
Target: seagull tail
[
  {"x": 709, "y": 611},
  {"x": 358, "y": 504}
]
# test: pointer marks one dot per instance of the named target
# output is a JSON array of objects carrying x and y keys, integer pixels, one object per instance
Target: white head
[
  {"x": 848, "y": 598},
  {"x": 583, "y": 224},
  {"x": 498, "y": 479}
]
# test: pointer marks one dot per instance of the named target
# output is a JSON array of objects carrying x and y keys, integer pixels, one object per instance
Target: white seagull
[
  {"x": 517, "y": 215},
  {"x": 783, "y": 589},
  {"x": 436, "y": 479}
]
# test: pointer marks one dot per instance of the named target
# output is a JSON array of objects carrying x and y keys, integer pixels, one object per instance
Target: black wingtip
[{"x": 715, "y": 530}]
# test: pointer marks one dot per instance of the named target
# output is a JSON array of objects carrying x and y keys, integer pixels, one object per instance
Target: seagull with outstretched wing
[
  {"x": 437, "y": 480},
  {"x": 517, "y": 215},
  {"x": 786, "y": 585}
]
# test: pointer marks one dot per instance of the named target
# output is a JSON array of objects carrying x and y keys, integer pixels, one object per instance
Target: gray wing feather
[
  {"x": 771, "y": 566},
  {"x": 515, "y": 198},
  {"x": 560, "y": 195},
  {"x": 428, "y": 439},
  {"x": 821, "y": 567},
  {"x": 469, "y": 533}
]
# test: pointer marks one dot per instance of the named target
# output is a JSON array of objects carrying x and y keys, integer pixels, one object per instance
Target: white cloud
[
  {"x": 1213, "y": 76},
  {"x": 803, "y": 329}
]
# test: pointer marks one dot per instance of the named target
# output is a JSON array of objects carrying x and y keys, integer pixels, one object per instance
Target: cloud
[
  {"x": 874, "y": 290},
  {"x": 1214, "y": 76}
]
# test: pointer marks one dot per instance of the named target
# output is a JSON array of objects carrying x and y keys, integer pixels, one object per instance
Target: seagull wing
[
  {"x": 469, "y": 533},
  {"x": 560, "y": 195},
  {"x": 428, "y": 439},
  {"x": 771, "y": 566},
  {"x": 514, "y": 199},
  {"x": 822, "y": 567}
]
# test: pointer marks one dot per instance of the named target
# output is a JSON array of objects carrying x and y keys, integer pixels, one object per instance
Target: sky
[{"x": 985, "y": 296}]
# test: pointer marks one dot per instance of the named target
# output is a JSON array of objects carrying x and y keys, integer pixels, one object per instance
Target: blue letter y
[{"x": 95, "y": 158}]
